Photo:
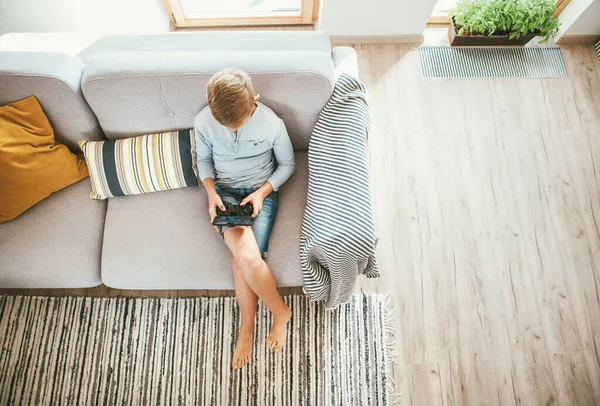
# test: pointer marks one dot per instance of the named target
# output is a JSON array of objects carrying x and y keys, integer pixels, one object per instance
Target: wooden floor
[{"x": 487, "y": 202}]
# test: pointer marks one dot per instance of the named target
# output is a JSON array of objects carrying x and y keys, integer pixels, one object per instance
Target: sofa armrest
[
  {"x": 70, "y": 43},
  {"x": 55, "y": 80},
  {"x": 345, "y": 61}
]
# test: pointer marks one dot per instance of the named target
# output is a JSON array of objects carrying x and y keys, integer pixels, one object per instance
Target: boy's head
[{"x": 231, "y": 97}]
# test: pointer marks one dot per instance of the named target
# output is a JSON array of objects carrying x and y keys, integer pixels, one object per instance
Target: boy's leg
[
  {"x": 259, "y": 278},
  {"x": 246, "y": 298},
  {"x": 247, "y": 302},
  {"x": 263, "y": 224}
]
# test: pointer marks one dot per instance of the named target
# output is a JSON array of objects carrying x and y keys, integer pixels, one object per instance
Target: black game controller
[{"x": 234, "y": 215}]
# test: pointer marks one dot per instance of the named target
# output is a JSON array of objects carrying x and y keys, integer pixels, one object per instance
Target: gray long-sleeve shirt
[{"x": 261, "y": 151}]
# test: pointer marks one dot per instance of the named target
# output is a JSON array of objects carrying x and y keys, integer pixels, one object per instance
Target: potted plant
[{"x": 502, "y": 22}]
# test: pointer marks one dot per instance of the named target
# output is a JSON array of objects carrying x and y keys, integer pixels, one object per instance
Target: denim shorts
[{"x": 263, "y": 223}]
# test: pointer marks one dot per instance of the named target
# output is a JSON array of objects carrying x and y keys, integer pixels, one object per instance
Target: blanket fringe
[
  {"x": 393, "y": 394},
  {"x": 372, "y": 274}
]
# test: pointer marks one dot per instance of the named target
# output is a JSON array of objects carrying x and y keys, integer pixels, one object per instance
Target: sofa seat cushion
[
  {"x": 56, "y": 243},
  {"x": 165, "y": 240}
]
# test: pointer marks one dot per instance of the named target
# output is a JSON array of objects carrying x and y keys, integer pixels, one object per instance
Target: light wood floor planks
[{"x": 487, "y": 202}]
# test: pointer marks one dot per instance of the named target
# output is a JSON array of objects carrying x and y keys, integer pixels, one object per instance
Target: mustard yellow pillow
[{"x": 32, "y": 164}]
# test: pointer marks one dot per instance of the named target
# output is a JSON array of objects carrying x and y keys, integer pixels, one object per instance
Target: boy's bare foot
[
  {"x": 276, "y": 337},
  {"x": 243, "y": 349}
]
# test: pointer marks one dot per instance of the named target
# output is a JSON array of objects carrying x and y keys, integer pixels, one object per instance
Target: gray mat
[
  {"x": 125, "y": 351},
  {"x": 488, "y": 62}
]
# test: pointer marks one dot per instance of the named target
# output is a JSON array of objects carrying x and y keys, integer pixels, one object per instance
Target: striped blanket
[{"x": 337, "y": 241}]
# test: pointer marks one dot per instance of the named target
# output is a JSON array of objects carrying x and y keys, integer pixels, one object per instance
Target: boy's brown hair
[{"x": 230, "y": 96}]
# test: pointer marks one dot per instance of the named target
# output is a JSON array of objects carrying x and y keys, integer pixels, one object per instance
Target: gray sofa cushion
[
  {"x": 56, "y": 243},
  {"x": 164, "y": 240},
  {"x": 210, "y": 41},
  {"x": 55, "y": 80},
  {"x": 141, "y": 93}
]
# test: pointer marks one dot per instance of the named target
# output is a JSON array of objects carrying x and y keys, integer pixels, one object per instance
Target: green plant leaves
[{"x": 506, "y": 17}]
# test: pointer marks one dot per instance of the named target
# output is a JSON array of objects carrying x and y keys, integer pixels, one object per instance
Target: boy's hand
[
  {"x": 214, "y": 201},
  {"x": 256, "y": 199}
]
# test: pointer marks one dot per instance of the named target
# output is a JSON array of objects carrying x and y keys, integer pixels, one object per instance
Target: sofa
[{"x": 119, "y": 86}]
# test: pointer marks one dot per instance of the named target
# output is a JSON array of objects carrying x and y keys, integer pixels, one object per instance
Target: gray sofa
[{"x": 127, "y": 85}]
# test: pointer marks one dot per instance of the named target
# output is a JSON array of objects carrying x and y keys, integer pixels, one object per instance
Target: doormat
[{"x": 491, "y": 62}]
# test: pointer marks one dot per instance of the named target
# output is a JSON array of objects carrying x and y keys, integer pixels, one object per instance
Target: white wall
[
  {"x": 588, "y": 23},
  {"x": 375, "y": 17},
  {"x": 338, "y": 17},
  {"x": 101, "y": 16},
  {"x": 581, "y": 17}
]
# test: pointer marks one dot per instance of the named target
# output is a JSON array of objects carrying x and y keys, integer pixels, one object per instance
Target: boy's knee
[{"x": 247, "y": 261}]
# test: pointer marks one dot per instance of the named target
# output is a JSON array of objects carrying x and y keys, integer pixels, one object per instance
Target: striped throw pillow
[{"x": 144, "y": 164}]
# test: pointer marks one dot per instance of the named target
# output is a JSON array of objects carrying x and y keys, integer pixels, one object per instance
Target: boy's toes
[
  {"x": 273, "y": 344},
  {"x": 239, "y": 363}
]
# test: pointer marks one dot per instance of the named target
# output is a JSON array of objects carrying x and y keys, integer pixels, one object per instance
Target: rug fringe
[{"x": 393, "y": 393}]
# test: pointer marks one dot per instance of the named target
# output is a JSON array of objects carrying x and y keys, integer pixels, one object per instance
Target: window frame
[{"x": 308, "y": 15}]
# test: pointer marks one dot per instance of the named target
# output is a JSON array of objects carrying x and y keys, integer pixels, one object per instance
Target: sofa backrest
[
  {"x": 55, "y": 80},
  {"x": 134, "y": 93},
  {"x": 209, "y": 41}
]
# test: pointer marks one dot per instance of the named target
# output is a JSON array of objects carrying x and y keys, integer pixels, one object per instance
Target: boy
[{"x": 244, "y": 156}]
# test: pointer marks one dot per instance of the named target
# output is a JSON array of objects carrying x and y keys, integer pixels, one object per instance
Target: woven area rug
[
  {"x": 67, "y": 350},
  {"x": 491, "y": 62}
]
